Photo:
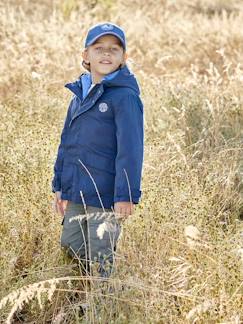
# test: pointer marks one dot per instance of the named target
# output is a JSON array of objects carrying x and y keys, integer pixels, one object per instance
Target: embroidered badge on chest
[{"x": 103, "y": 107}]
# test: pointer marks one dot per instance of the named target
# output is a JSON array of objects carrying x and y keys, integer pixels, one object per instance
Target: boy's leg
[
  {"x": 103, "y": 232},
  {"x": 74, "y": 234}
]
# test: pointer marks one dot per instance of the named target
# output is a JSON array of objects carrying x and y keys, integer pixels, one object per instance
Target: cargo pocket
[{"x": 103, "y": 238}]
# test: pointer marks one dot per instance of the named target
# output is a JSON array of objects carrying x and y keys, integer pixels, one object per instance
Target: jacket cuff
[
  {"x": 134, "y": 200},
  {"x": 56, "y": 185},
  {"x": 135, "y": 197}
]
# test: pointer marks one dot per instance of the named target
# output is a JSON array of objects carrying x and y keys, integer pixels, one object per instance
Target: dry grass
[{"x": 180, "y": 256}]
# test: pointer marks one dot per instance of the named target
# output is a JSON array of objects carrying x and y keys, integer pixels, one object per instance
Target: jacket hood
[{"x": 122, "y": 77}]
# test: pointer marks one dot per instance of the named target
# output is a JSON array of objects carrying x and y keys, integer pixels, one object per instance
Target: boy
[{"x": 99, "y": 161}]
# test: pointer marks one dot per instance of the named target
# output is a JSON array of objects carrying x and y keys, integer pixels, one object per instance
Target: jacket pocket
[
  {"x": 98, "y": 162},
  {"x": 95, "y": 180}
]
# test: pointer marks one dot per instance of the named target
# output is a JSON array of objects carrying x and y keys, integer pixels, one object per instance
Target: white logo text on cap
[{"x": 107, "y": 27}]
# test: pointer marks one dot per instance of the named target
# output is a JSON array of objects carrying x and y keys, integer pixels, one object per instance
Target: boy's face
[{"x": 104, "y": 56}]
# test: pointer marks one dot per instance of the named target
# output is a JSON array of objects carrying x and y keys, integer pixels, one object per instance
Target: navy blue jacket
[{"x": 102, "y": 142}]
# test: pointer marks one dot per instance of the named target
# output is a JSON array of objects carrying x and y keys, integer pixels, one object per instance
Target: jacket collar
[
  {"x": 122, "y": 77},
  {"x": 86, "y": 81}
]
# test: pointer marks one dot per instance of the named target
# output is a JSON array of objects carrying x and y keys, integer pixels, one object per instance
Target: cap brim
[{"x": 106, "y": 33}]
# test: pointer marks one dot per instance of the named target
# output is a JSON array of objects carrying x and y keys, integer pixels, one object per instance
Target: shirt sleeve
[
  {"x": 56, "y": 181},
  {"x": 129, "y": 120}
]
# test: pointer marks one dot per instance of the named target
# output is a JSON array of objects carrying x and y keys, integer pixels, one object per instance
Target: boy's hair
[{"x": 86, "y": 65}]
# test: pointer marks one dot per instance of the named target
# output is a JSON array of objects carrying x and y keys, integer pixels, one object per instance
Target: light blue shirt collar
[{"x": 87, "y": 81}]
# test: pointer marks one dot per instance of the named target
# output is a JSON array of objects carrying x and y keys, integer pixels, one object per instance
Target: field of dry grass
[{"x": 180, "y": 257}]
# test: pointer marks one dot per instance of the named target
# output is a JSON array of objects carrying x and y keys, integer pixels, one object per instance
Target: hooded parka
[{"x": 100, "y": 155}]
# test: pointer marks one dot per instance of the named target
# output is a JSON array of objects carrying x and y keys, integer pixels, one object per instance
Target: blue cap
[{"x": 102, "y": 29}]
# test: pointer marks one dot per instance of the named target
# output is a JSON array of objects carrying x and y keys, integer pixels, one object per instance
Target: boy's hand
[
  {"x": 59, "y": 204},
  {"x": 125, "y": 208}
]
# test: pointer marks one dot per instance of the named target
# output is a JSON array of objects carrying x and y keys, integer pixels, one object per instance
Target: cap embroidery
[{"x": 106, "y": 27}]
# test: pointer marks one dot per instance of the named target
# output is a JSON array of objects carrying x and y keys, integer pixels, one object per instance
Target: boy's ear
[
  {"x": 85, "y": 56},
  {"x": 125, "y": 57}
]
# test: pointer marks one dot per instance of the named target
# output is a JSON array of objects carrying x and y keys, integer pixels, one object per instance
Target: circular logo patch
[{"x": 103, "y": 107}]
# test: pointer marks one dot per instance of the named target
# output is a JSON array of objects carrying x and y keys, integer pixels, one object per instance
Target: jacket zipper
[{"x": 87, "y": 97}]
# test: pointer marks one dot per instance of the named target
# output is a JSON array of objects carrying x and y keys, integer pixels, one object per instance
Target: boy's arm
[
  {"x": 56, "y": 181},
  {"x": 130, "y": 148}
]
